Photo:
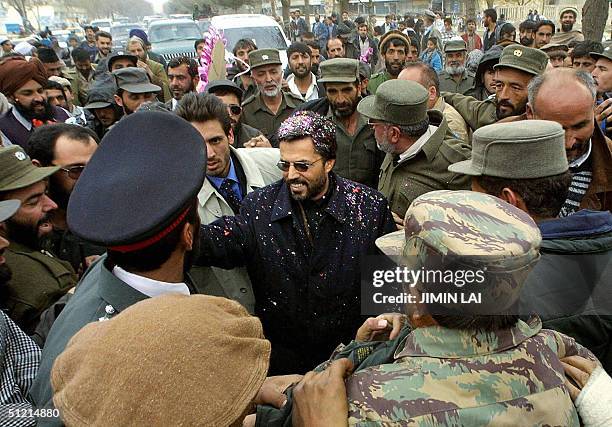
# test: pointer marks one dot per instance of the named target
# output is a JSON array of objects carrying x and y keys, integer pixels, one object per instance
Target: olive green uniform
[
  {"x": 38, "y": 280},
  {"x": 449, "y": 84},
  {"x": 403, "y": 182},
  {"x": 376, "y": 80},
  {"x": 475, "y": 113},
  {"x": 256, "y": 113},
  {"x": 357, "y": 156}
]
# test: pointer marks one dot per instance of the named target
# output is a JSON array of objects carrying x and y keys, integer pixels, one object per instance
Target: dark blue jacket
[
  {"x": 307, "y": 297},
  {"x": 571, "y": 286}
]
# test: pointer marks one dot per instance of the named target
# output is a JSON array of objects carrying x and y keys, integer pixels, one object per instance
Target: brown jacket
[{"x": 599, "y": 195}]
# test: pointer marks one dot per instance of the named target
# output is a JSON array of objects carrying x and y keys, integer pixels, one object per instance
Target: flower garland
[
  {"x": 366, "y": 56},
  {"x": 213, "y": 37}
]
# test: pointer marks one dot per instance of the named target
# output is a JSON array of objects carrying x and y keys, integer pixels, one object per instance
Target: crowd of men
[{"x": 157, "y": 240}]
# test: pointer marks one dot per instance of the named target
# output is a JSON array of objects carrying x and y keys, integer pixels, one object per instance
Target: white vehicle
[
  {"x": 102, "y": 24},
  {"x": 263, "y": 30}
]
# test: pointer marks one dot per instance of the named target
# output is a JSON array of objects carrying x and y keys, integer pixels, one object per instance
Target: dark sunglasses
[
  {"x": 299, "y": 166},
  {"x": 73, "y": 172},
  {"x": 234, "y": 109}
]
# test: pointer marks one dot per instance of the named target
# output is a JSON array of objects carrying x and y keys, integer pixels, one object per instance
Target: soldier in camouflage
[{"x": 465, "y": 369}]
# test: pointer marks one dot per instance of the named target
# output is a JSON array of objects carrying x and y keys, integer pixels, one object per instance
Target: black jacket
[
  {"x": 307, "y": 294},
  {"x": 571, "y": 286}
]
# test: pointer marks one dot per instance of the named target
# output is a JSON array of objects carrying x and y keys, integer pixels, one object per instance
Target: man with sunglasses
[
  {"x": 38, "y": 279},
  {"x": 70, "y": 147},
  {"x": 183, "y": 77},
  {"x": 302, "y": 240},
  {"x": 231, "y": 94}
]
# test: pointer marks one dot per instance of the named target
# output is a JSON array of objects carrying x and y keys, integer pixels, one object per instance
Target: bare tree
[
  {"x": 21, "y": 6},
  {"x": 594, "y": 18}
]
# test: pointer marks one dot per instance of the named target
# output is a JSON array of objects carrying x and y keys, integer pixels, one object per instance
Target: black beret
[{"x": 147, "y": 169}]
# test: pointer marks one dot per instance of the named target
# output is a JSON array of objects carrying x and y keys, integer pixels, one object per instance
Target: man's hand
[
  {"x": 399, "y": 221},
  {"x": 381, "y": 328},
  {"x": 579, "y": 369},
  {"x": 272, "y": 391},
  {"x": 144, "y": 66},
  {"x": 603, "y": 112},
  {"x": 258, "y": 141},
  {"x": 320, "y": 398}
]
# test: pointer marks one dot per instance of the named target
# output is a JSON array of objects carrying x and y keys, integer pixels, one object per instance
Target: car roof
[
  {"x": 172, "y": 22},
  {"x": 238, "y": 21}
]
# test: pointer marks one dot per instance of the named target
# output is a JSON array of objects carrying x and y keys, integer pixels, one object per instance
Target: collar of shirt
[
  {"x": 580, "y": 160},
  {"x": 25, "y": 122},
  {"x": 313, "y": 90},
  {"x": 149, "y": 287},
  {"x": 231, "y": 175},
  {"x": 174, "y": 104},
  {"x": 437, "y": 341},
  {"x": 418, "y": 145}
]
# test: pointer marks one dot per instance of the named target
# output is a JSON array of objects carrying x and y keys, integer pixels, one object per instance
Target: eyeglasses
[
  {"x": 73, "y": 172},
  {"x": 299, "y": 166},
  {"x": 234, "y": 109}
]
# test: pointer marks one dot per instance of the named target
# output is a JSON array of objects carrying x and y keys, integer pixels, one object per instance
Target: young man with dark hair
[
  {"x": 84, "y": 75},
  {"x": 368, "y": 45},
  {"x": 89, "y": 44},
  {"x": 581, "y": 55},
  {"x": 490, "y": 34},
  {"x": 238, "y": 73},
  {"x": 527, "y": 31},
  {"x": 70, "y": 147},
  {"x": 77, "y": 113},
  {"x": 315, "y": 56},
  {"x": 104, "y": 43},
  {"x": 471, "y": 37},
  {"x": 133, "y": 89},
  {"x": 149, "y": 226},
  {"x": 231, "y": 175},
  {"x": 302, "y": 82},
  {"x": 184, "y": 77},
  {"x": 543, "y": 33},
  {"x": 198, "y": 46},
  {"x": 448, "y": 32},
  {"x": 51, "y": 62}
]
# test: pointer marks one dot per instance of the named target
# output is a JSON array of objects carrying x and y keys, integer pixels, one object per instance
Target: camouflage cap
[
  {"x": 445, "y": 229},
  {"x": 339, "y": 70},
  {"x": 17, "y": 170},
  {"x": 400, "y": 102},
  {"x": 523, "y": 58},
  {"x": 260, "y": 57},
  {"x": 455, "y": 46},
  {"x": 516, "y": 150}
]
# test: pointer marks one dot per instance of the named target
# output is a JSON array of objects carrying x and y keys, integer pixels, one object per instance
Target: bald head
[
  {"x": 567, "y": 97},
  {"x": 424, "y": 75}
]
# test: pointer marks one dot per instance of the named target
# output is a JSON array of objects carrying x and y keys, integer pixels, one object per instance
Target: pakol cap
[
  {"x": 139, "y": 182},
  {"x": 393, "y": 35},
  {"x": 339, "y": 70},
  {"x": 465, "y": 230},
  {"x": 455, "y": 46},
  {"x": 522, "y": 58},
  {"x": 516, "y": 150},
  {"x": 260, "y": 57},
  {"x": 399, "y": 102},
  {"x": 172, "y": 360},
  {"x": 17, "y": 170},
  {"x": 134, "y": 80}
]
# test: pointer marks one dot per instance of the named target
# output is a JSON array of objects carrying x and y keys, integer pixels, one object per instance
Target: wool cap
[{"x": 169, "y": 360}]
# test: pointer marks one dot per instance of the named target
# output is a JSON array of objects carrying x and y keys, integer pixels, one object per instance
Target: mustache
[{"x": 296, "y": 181}]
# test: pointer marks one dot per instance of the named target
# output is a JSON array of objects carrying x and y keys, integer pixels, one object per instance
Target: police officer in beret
[
  {"x": 517, "y": 66},
  {"x": 267, "y": 109},
  {"x": 145, "y": 214}
]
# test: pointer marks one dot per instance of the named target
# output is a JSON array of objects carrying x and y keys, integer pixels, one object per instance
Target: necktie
[{"x": 230, "y": 195}]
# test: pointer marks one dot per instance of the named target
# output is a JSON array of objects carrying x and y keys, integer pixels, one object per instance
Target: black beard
[
  {"x": 344, "y": 114},
  {"x": 567, "y": 27},
  {"x": 516, "y": 111},
  {"x": 394, "y": 73},
  {"x": 24, "y": 234},
  {"x": 526, "y": 41},
  {"x": 302, "y": 74},
  {"x": 315, "y": 69},
  {"x": 30, "y": 115},
  {"x": 58, "y": 195}
]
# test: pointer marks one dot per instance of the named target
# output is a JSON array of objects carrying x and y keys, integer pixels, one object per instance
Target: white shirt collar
[
  {"x": 580, "y": 160},
  {"x": 418, "y": 145},
  {"x": 174, "y": 104},
  {"x": 311, "y": 94},
  {"x": 149, "y": 287}
]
